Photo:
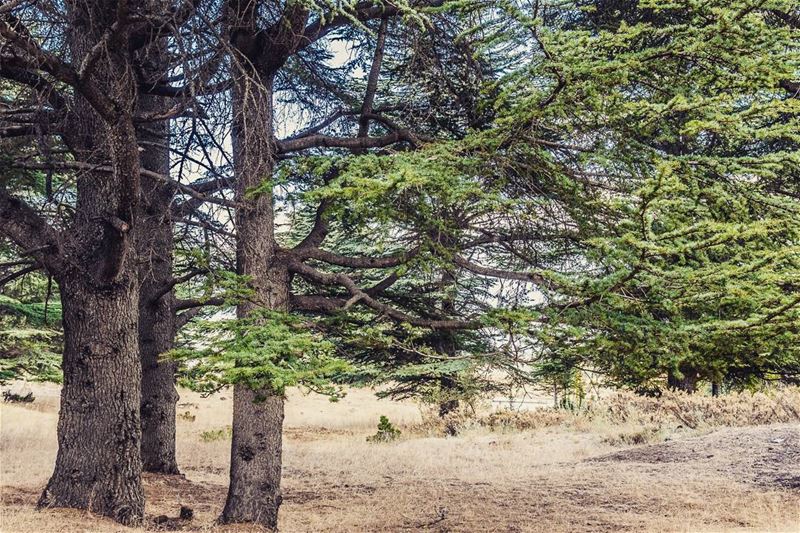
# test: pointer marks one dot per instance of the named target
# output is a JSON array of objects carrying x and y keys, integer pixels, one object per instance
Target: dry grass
[
  {"x": 562, "y": 472},
  {"x": 625, "y": 418}
]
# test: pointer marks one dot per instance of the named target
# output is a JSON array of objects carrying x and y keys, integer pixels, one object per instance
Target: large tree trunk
[
  {"x": 156, "y": 316},
  {"x": 98, "y": 466},
  {"x": 254, "y": 493}
]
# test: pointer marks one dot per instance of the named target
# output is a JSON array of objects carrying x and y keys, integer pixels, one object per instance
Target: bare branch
[
  {"x": 18, "y": 274},
  {"x": 168, "y": 286},
  {"x": 350, "y": 143},
  {"x": 180, "y": 305},
  {"x": 532, "y": 277},
  {"x": 360, "y": 296}
]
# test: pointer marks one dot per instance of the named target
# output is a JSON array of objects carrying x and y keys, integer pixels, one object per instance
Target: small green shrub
[
  {"x": 216, "y": 434},
  {"x": 386, "y": 432}
]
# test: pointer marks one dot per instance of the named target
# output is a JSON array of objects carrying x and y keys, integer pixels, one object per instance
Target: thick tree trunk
[
  {"x": 156, "y": 315},
  {"x": 98, "y": 466},
  {"x": 254, "y": 493}
]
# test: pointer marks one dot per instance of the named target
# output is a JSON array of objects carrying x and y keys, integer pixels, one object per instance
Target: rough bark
[
  {"x": 98, "y": 466},
  {"x": 156, "y": 315},
  {"x": 254, "y": 493}
]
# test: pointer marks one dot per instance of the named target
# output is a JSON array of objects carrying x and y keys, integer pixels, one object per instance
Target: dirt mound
[{"x": 767, "y": 455}]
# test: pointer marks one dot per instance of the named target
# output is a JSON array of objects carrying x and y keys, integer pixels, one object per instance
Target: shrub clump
[
  {"x": 627, "y": 418},
  {"x": 697, "y": 411},
  {"x": 213, "y": 435},
  {"x": 386, "y": 431}
]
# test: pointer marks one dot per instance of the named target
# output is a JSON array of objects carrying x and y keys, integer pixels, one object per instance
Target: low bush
[
  {"x": 386, "y": 432},
  {"x": 213, "y": 435}
]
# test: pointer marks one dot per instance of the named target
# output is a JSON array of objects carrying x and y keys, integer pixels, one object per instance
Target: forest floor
[{"x": 541, "y": 480}]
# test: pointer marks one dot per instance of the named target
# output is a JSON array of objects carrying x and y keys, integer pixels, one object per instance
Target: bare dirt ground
[{"x": 546, "y": 480}]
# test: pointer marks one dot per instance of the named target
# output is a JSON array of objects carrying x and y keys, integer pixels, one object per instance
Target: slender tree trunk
[
  {"x": 254, "y": 493},
  {"x": 159, "y": 396},
  {"x": 446, "y": 342},
  {"x": 156, "y": 316}
]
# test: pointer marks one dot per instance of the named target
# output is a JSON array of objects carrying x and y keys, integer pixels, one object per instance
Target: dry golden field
[{"x": 539, "y": 471}]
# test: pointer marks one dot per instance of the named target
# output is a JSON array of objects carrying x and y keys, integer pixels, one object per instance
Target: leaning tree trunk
[
  {"x": 254, "y": 493},
  {"x": 156, "y": 301}
]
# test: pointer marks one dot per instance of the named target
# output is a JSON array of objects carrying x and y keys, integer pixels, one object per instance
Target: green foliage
[
  {"x": 677, "y": 148},
  {"x": 649, "y": 152},
  {"x": 33, "y": 312},
  {"x": 407, "y": 361},
  {"x": 386, "y": 432},
  {"x": 267, "y": 350},
  {"x": 628, "y": 169},
  {"x": 213, "y": 435},
  {"x": 29, "y": 344}
]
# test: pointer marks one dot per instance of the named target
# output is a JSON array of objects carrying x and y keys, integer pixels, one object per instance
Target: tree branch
[
  {"x": 168, "y": 286},
  {"x": 18, "y": 274},
  {"x": 354, "y": 261},
  {"x": 20, "y": 223},
  {"x": 532, "y": 277},
  {"x": 360, "y": 296},
  {"x": 363, "y": 11},
  {"x": 350, "y": 143},
  {"x": 181, "y": 305}
]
